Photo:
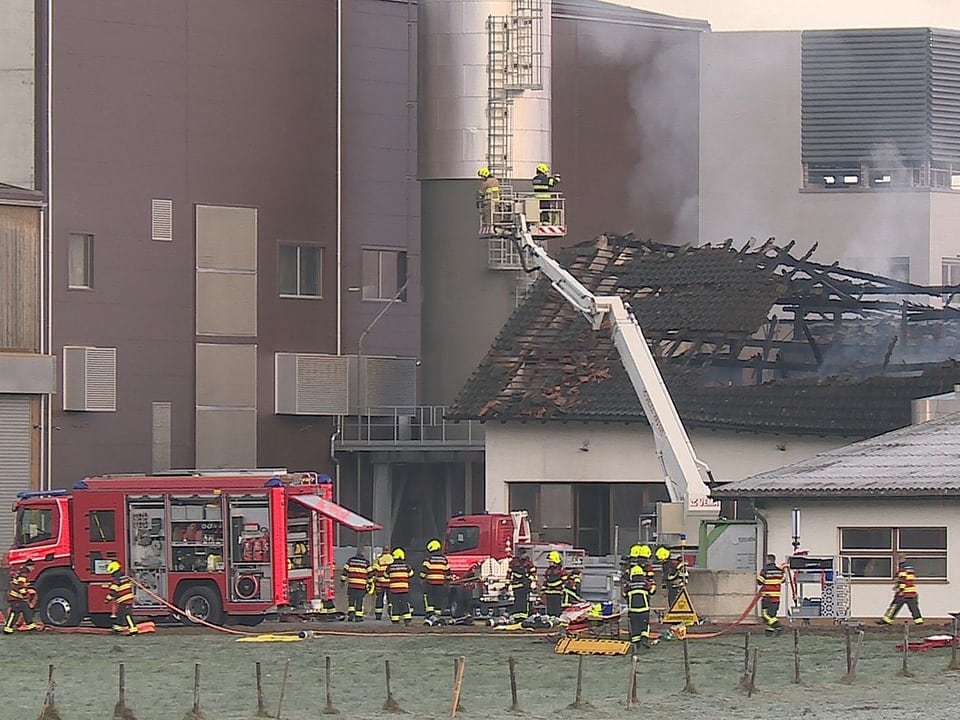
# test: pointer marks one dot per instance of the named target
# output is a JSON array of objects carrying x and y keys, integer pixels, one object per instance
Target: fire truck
[{"x": 217, "y": 546}]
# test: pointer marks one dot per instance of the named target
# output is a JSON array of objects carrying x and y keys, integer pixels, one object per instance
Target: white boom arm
[{"x": 686, "y": 476}]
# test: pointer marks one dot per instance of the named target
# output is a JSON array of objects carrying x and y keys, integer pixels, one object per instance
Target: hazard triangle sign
[{"x": 682, "y": 610}]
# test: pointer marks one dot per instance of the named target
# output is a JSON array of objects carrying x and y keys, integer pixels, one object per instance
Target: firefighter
[
  {"x": 770, "y": 581},
  {"x": 554, "y": 578},
  {"x": 120, "y": 593},
  {"x": 674, "y": 574},
  {"x": 544, "y": 184},
  {"x": 398, "y": 579},
  {"x": 21, "y": 598},
  {"x": 639, "y": 556},
  {"x": 571, "y": 589},
  {"x": 381, "y": 584},
  {"x": 637, "y": 592},
  {"x": 523, "y": 580},
  {"x": 435, "y": 577},
  {"x": 904, "y": 593},
  {"x": 356, "y": 575},
  {"x": 487, "y": 195}
]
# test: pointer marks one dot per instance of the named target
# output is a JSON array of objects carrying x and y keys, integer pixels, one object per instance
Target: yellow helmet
[
  {"x": 399, "y": 554},
  {"x": 554, "y": 557},
  {"x": 484, "y": 172},
  {"x": 662, "y": 553},
  {"x": 636, "y": 570},
  {"x": 645, "y": 551},
  {"x": 635, "y": 551},
  {"x": 112, "y": 567},
  {"x": 433, "y": 545},
  {"x": 543, "y": 168}
]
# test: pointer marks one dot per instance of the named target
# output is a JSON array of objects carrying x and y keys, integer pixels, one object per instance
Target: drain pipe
[
  {"x": 46, "y": 336},
  {"x": 339, "y": 232},
  {"x": 763, "y": 521}
]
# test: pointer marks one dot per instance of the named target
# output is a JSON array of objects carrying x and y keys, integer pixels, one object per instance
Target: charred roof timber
[{"x": 750, "y": 338}]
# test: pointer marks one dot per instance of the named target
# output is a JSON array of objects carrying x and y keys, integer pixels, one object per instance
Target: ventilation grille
[
  {"x": 162, "y": 220},
  {"x": 90, "y": 379},
  {"x": 312, "y": 384}
]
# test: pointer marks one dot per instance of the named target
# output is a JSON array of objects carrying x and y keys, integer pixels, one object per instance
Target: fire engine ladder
[{"x": 319, "y": 563}]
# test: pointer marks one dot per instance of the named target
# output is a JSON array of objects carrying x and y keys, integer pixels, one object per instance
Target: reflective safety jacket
[
  {"x": 523, "y": 573},
  {"x": 380, "y": 570},
  {"x": 770, "y": 580},
  {"x": 398, "y": 576},
  {"x": 571, "y": 590},
  {"x": 553, "y": 579},
  {"x": 20, "y": 587},
  {"x": 674, "y": 572},
  {"x": 638, "y": 592},
  {"x": 356, "y": 573},
  {"x": 906, "y": 583},
  {"x": 121, "y": 590},
  {"x": 545, "y": 183},
  {"x": 435, "y": 569}
]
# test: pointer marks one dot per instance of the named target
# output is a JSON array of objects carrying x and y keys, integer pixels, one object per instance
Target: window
[
  {"x": 300, "y": 271},
  {"x": 102, "y": 526},
  {"x": 79, "y": 261},
  {"x": 463, "y": 537},
  {"x": 875, "y": 552},
  {"x": 384, "y": 275},
  {"x": 34, "y": 525},
  {"x": 950, "y": 271}
]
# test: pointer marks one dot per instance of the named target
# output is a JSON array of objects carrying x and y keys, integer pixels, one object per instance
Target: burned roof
[
  {"x": 916, "y": 461},
  {"x": 751, "y": 339}
]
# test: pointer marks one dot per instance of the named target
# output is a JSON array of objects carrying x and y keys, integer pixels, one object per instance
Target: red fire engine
[{"x": 236, "y": 544}]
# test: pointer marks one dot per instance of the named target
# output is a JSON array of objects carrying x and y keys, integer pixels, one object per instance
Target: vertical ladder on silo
[
  {"x": 498, "y": 99},
  {"x": 526, "y": 50}
]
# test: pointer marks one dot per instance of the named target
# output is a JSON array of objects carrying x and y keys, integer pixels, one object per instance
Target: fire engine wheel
[
  {"x": 201, "y": 603},
  {"x": 459, "y": 603},
  {"x": 59, "y": 607}
]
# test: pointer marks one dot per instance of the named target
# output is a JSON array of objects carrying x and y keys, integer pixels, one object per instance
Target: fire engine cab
[{"x": 216, "y": 545}]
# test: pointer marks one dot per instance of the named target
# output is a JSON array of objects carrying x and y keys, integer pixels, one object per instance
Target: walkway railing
[{"x": 421, "y": 426}]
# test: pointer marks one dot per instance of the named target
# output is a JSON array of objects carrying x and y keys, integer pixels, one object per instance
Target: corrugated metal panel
[
  {"x": 863, "y": 92},
  {"x": 14, "y": 458},
  {"x": 945, "y": 96},
  {"x": 390, "y": 381},
  {"x": 19, "y": 277}
]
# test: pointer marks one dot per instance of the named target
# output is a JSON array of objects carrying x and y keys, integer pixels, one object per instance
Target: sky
[{"x": 809, "y": 14}]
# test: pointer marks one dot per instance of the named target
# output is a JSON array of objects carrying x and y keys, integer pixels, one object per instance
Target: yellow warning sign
[{"x": 682, "y": 610}]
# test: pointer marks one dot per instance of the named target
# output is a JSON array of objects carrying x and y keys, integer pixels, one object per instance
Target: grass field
[{"x": 160, "y": 669}]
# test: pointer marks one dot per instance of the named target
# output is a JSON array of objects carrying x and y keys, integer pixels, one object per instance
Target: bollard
[
  {"x": 514, "y": 705},
  {"x": 954, "y": 665},
  {"x": 753, "y": 673},
  {"x": 390, "y": 705},
  {"x": 262, "y": 711},
  {"x": 796, "y": 656},
  {"x": 120, "y": 710},
  {"x": 329, "y": 709},
  {"x": 283, "y": 687},
  {"x": 688, "y": 687},
  {"x": 48, "y": 710},
  {"x": 459, "y": 667},
  {"x": 904, "y": 672}
]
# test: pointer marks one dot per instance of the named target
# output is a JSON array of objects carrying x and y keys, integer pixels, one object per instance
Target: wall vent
[
  {"x": 162, "y": 220},
  {"x": 89, "y": 379},
  {"x": 311, "y": 384}
]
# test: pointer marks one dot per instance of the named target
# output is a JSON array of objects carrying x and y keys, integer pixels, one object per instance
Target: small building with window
[{"x": 870, "y": 505}]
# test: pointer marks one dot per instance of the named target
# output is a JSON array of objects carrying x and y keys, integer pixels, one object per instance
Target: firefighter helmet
[
  {"x": 635, "y": 550},
  {"x": 645, "y": 551},
  {"x": 554, "y": 557},
  {"x": 433, "y": 545},
  {"x": 636, "y": 571},
  {"x": 484, "y": 172},
  {"x": 399, "y": 554},
  {"x": 112, "y": 567},
  {"x": 662, "y": 553},
  {"x": 543, "y": 168}
]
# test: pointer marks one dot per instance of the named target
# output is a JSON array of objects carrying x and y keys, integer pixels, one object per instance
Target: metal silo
[{"x": 483, "y": 98}]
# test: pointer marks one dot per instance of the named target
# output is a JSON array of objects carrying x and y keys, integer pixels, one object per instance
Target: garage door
[{"x": 14, "y": 459}]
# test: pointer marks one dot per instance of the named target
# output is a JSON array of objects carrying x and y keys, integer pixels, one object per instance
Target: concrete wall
[
  {"x": 819, "y": 529},
  {"x": 536, "y": 452},
  {"x": 17, "y": 86},
  {"x": 751, "y": 170},
  {"x": 721, "y": 594}
]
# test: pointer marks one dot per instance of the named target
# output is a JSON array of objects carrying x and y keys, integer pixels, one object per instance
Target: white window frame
[
  {"x": 299, "y": 271},
  {"x": 383, "y": 291},
  {"x": 895, "y": 552},
  {"x": 85, "y": 269}
]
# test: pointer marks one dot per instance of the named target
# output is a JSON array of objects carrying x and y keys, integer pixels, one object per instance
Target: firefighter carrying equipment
[{"x": 121, "y": 594}]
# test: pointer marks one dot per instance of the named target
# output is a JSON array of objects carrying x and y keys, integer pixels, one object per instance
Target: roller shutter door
[{"x": 14, "y": 459}]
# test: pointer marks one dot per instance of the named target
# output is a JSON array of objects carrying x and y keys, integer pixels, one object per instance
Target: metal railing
[{"x": 420, "y": 426}]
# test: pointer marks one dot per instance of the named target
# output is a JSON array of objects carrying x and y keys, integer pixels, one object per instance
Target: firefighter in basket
[
  {"x": 356, "y": 575},
  {"x": 21, "y": 598},
  {"x": 120, "y": 593}
]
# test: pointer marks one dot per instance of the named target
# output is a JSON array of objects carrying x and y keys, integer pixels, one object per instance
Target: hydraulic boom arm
[{"x": 686, "y": 476}]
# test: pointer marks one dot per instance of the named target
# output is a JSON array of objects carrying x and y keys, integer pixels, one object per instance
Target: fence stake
[
  {"x": 632, "y": 682},
  {"x": 283, "y": 687},
  {"x": 753, "y": 672},
  {"x": 120, "y": 710},
  {"x": 261, "y": 705},
  {"x": 390, "y": 705},
  {"x": 576, "y": 704},
  {"x": 688, "y": 687},
  {"x": 904, "y": 672},
  {"x": 514, "y": 705},
  {"x": 329, "y": 709},
  {"x": 796, "y": 656},
  {"x": 459, "y": 667},
  {"x": 954, "y": 665},
  {"x": 48, "y": 710}
]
